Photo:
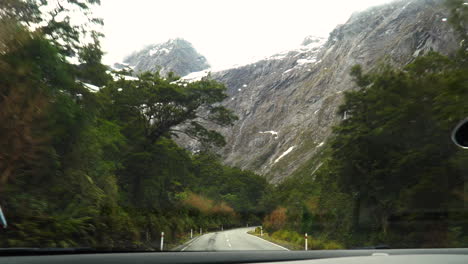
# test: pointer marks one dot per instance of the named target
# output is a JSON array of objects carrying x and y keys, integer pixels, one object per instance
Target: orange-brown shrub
[
  {"x": 276, "y": 220},
  {"x": 207, "y": 206}
]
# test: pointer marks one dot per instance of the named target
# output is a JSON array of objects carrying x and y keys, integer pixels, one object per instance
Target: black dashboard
[{"x": 386, "y": 256}]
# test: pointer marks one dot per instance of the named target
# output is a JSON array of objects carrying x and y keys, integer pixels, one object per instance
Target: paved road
[{"x": 234, "y": 239}]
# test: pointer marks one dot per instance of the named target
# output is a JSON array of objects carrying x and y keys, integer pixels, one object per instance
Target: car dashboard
[{"x": 386, "y": 256}]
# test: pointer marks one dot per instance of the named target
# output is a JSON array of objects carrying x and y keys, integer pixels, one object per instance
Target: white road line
[
  {"x": 190, "y": 243},
  {"x": 269, "y": 242}
]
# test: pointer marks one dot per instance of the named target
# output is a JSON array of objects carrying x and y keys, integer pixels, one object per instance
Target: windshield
[{"x": 233, "y": 125}]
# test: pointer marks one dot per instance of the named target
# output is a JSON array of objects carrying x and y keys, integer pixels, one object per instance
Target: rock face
[
  {"x": 176, "y": 55},
  {"x": 287, "y": 103}
]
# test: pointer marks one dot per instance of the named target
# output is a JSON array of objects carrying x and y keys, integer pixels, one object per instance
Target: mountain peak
[{"x": 177, "y": 55}]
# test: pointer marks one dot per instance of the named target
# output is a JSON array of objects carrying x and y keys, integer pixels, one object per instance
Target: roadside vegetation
[
  {"x": 295, "y": 241},
  {"x": 390, "y": 174},
  {"x": 99, "y": 167},
  {"x": 88, "y": 167}
]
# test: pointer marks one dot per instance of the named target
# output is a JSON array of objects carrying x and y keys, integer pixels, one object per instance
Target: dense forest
[
  {"x": 390, "y": 174},
  {"x": 88, "y": 157},
  {"x": 88, "y": 167}
]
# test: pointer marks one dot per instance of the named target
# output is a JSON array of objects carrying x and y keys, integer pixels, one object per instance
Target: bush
[
  {"x": 332, "y": 245},
  {"x": 289, "y": 236},
  {"x": 276, "y": 220},
  {"x": 257, "y": 230}
]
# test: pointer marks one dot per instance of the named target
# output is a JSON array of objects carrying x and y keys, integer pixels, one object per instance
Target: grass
[
  {"x": 294, "y": 241},
  {"x": 283, "y": 243}
]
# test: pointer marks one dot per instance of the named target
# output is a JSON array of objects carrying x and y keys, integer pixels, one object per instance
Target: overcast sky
[{"x": 226, "y": 32}]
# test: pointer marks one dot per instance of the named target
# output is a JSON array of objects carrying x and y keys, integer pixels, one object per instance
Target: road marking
[{"x": 268, "y": 242}]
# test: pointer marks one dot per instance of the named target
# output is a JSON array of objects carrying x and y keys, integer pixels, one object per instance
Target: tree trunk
[{"x": 356, "y": 212}]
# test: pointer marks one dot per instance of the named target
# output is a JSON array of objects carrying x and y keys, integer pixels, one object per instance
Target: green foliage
[
  {"x": 100, "y": 169},
  {"x": 390, "y": 173},
  {"x": 289, "y": 236},
  {"x": 154, "y": 107}
]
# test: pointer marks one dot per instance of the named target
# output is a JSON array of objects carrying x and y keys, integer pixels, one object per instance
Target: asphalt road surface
[{"x": 234, "y": 239}]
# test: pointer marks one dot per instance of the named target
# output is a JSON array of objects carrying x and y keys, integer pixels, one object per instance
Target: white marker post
[
  {"x": 3, "y": 219},
  {"x": 191, "y": 233},
  {"x": 222, "y": 228},
  {"x": 200, "y": 231},
  {"x": 162, "y": 241},
  {"x": 261, "y": 231},
  {"x": 305, "y": 241}
]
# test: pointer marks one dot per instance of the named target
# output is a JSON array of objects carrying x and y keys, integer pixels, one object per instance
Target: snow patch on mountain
[
  {"x": 273, "y": 133},
  {"x": 284, "y": 154}
]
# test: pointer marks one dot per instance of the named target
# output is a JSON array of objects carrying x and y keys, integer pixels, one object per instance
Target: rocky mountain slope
[
  {"x": 287, "y": 103},
  {"x": 176, "y": 55}
]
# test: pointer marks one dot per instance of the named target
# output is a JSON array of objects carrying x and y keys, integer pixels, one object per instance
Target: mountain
[
  {"x": 176, "y": 55},
  {"x": 287, "y": 103}
]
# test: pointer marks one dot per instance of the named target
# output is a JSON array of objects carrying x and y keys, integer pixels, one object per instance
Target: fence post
[
  {"x": 305, "y": 241},
  {"x": 162, "y": 241}
]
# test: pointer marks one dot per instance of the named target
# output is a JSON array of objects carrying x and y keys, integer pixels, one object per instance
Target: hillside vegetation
[
  {"x": 99, "y": 169},
  {"x": 390, "y": 173}
]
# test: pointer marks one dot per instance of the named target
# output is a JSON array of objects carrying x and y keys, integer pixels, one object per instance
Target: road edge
[
  {"x": 269, "y": 242},
  {"x": 185, "y": 245}
]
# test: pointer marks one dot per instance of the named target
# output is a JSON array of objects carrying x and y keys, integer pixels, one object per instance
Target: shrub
[{"x": 276, "y": 220}]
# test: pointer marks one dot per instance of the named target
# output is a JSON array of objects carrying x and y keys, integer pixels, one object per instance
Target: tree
[
  {"x": 160, "y": 108},
  {"x": 395, "y": 144}
]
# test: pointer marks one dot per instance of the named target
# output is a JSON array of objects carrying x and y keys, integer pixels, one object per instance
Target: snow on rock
[
  {"x": 130, "y": 78},
  {"x": 245, "y": 85},
  {"x": 284, "y": 154},
  {"x": 195, "y": 76},
  {"x": 92, "y": 88},
  {"x": 158, "y": 50},
  {"x": 117, "y": 77},
  {"x": 310, "y": 45},
  {"x": 321, "y": 144},
  {"x": 274, "y": 133},
  {"x": 306, "y": 61}
]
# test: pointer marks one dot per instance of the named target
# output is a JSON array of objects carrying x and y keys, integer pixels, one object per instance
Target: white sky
[{"x": 226, "y": 32}]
